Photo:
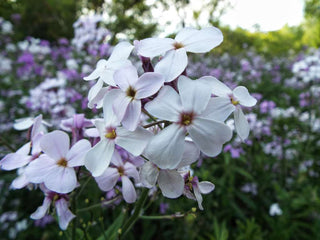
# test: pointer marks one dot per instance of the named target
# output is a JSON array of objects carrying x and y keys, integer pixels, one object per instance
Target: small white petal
[
  {"x": 75, "y": 156},
  {"x": 241, "y": 124},
  {"x": 121, "y": 52},
  {"x": 167, "y": 105},
  {"x": 148, "y": 84},
  {"x": 149, "y": 174},
  {"x": 134, "y": 142},
  {"x": 96, "y": 73},
  {"x": 219, "y": 109},
  {"x": 172, "y": 64},
  {"x": 42, "y": 210},
  {"x": 38, "y": 169},
  {"x": 19, "y": 182},
  {"x": 132, "y": 116},
  {"x": 194, "y": 94},
  {"x": 206, "y": 187},
  {"x": 200, "y": 41},
  {"x": 98, "y": 158},
  {"x": 243, "y": 96},
  {"x": 23, "y": 123},
  {"x": 126, "y": 77},
  {"x": 209, "y": 135},
  {"x": 55, "y": 144},
  {"x": 166, "y": 148},
  {"x": 120, "y": 105},
  {"x": 152, "y": 47},
  {"x": 171, "y": 183},
  {"x": 190, "y": 155},
  {"x": 94, "y": 91},
  {"x": 128, "y": 191},
  {"x": 64, "y": 214},
  {"x": 220, "y": 89},
  {"x": 108, "y": 179},
  {"x": 108, "y": 114},
  {"x": 61, "y": 179}
]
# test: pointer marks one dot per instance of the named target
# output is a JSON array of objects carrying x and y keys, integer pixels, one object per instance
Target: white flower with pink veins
[
  {"x": 104, "y": 72},
  {"x": 228, "y": 101},
  {"x": 175, "y": 57},
  {"x": 190, "y": 112},
  {"x": 111, "y": 134},
  {"x": 55, "y": 168}
]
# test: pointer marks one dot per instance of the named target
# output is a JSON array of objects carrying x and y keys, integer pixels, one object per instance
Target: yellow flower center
[
  {"x": 186, "y": 119},
  {"x": 111, "y": 134},
  {"x": 62, "y": 162},
  {"x": 178, "y": 45},
  {"x": 131, "y": 92}
]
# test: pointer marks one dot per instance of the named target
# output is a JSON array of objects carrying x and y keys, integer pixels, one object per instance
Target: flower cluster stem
[{"x": 136, "y": 214}]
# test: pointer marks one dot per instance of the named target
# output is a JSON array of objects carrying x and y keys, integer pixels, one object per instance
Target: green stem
[
  {"x": 150, "y": 116},
  {"x": 98, "y": 205},
  {"x": 154, "y": 123},
  {"x": 136, "y": 214},
  {"x": 178, "y": 215}
]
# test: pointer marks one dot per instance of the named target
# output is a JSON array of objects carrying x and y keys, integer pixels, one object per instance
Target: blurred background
[{"x": 267, "y": 187}]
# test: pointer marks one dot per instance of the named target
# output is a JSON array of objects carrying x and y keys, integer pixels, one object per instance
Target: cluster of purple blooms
[{"x": 155, "y": 123}]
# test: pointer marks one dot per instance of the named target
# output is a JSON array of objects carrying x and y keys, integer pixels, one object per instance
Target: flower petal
[
  {"x": 75, "y": 156},
  {"x": 97, "y": 100},
  {"x": 109, "y": 116},
  {"x": 149, "y": 174},
  {"x": 131, "y": 171},
  {"x": 42, "y": 210},
  {"x": 195, "y": 94},
  {"x": 126, "y": 77},
  {"x": 98, "y": 158},
  {"x": 241, "y": 124},
  {"x": 23, "y": 123},
  {"x": 245, "y": 99},
  {"x": 219, "y": 109},
  {"x": 151, "y": 47},
  {"x": 94, "y": 91},
  {"x": 190, "y": 155},
  {"x": 38, "y": 169},
  {"x": 132, "y": 116},
  {"x": 120, "y": 52},
  {"x": 219, "y": 88},
  {"x": 19, "y": 182},
  {"x": 166, "y": 148},
  {"x": 61, "y": 179},
  {"x": 171, "y": 183},
  {"x": 134, "y": 142},
  {"x": 167, "y": 105},
  {"x": 108, "y": 179},
  {"x": 55, "y": 144},
  {"x": 148, "y": 84},
  {"x": 64, "y": 214},
  {"x": 128, "y": 190},
  {"x": 206, "y": 187},
  {"x": 209, "y": 135},
  {"x": 200, "y": 41},
  {"x": 97, "y": 72},
  {"x": 14, "y": 160},
  {"x": 172, "y": 64}
]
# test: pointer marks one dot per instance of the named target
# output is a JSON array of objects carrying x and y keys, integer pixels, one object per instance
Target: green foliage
[{"x": 47, "y": 19}]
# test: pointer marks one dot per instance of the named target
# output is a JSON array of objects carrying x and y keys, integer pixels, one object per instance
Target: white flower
[
  {"x": 275, "y": 210},
  {"x": 175, "y": 50},
  {"x": 189, "y": 112},
  {"x": 228, "y": 101}
]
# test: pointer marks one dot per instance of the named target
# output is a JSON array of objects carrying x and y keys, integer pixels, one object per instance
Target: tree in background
[{"x": 312, "y": 23}]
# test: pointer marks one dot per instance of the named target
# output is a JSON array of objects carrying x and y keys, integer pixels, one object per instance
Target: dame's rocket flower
[
  {"x": 127, "y": 105},
  {"x": 189, "y": 112},
  {"x": 170, "y": 181},
  {"x": 61, "y": 204},
  {"x": 228, "y": 101},
  {"x": 111, "y": 134},
  {"x": 119, "y": 170},
  {"x": 175, "y": 58},
  {"x": 55, "y": 168},
  {"x": 105, "y": 69}
]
